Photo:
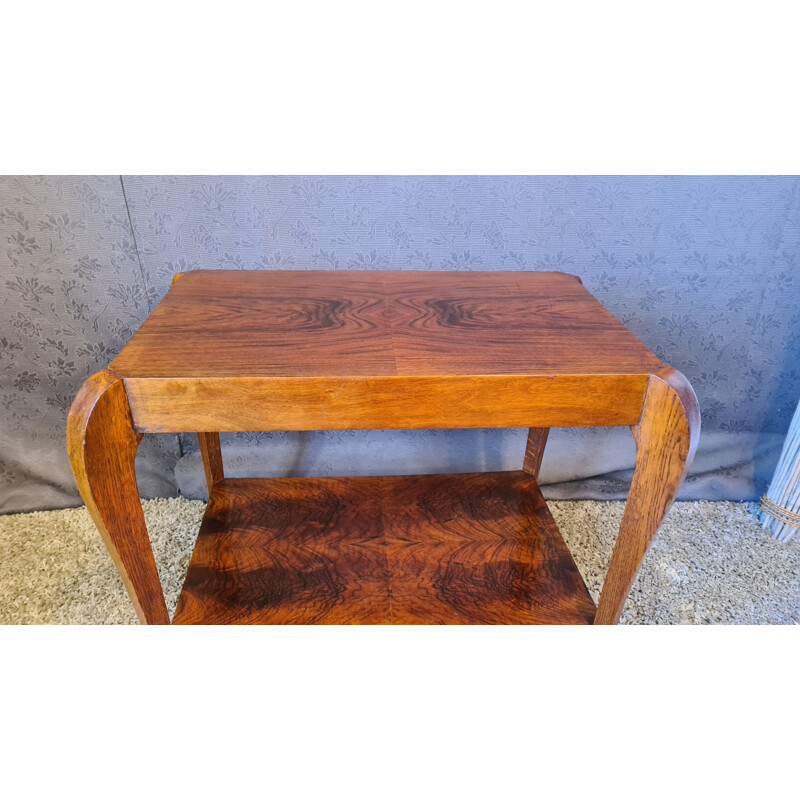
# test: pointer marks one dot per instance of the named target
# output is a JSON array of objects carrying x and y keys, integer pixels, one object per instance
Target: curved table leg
[
  {"x": 102, "y": 445},
  {"x": 666, "y": 438}
]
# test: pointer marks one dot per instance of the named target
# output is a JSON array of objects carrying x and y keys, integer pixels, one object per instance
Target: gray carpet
[{"x": 710, "y": 563}]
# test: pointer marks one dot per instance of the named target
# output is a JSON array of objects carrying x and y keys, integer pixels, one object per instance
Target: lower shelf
[{"x": 425, "y": 549}]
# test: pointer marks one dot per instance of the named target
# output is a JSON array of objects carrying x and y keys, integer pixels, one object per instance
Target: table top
[{"x": 314, "y": 323}]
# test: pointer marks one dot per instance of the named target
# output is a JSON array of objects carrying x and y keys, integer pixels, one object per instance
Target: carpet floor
[{"x": 711, "y": 563}]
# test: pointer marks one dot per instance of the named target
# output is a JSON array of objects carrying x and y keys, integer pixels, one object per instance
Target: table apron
[{"x": 161, "y": 405}]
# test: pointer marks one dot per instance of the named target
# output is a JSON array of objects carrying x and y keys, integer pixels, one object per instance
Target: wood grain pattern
[
  {"x": 225, "y": 323},
  {"x": 321, "y": 350},
  {"x": 666, "y": 440},
  {"x": 505, "y": 323},
  {"x": 301, "y": 404},
  {"x": 272, "y": 350},
  {"x": 534, "y": 451},
  {"x": 211, "y": 453},
  {"x": 477, "y": 548},
  {"x": 271, "y": 323},
  {"x": 102, "y": 445}
]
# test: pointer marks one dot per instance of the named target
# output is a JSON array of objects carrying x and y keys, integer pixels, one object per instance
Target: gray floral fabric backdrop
[{"x": 704, "y": 270}]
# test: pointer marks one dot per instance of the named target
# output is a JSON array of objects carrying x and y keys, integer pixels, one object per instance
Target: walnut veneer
[
  {"x": 476, "y": 548},
  {"x": 318, "y": 350}
]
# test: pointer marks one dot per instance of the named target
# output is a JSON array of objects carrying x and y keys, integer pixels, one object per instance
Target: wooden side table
[{"x": 313, "y": 350}]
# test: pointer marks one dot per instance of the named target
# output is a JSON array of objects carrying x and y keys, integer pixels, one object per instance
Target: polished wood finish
[
  {"x": 666, "y": 439},
  {"x": 270, "y": 323},
  {"x": 272, "y": 350},
  {"x": 477, "y": 548},
  {"x": 506, "y": 323},
  {"x": 264, "y": 323},
  {"x": 302, "y": 404},
  {"x": 211, "y": 453},
  {"x": 534, "y": 450},
  {"x": 102, "y": 445}
]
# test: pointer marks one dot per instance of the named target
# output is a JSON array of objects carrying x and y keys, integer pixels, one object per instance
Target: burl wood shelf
[
  {"x": 473, "y": 548},
  {"x": 317, "y": 350}
]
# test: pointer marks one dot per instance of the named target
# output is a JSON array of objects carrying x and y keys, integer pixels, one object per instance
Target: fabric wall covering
[{"x": 704, "y": 270}]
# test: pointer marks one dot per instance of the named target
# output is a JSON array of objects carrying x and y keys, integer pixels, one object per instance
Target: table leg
[
  {"x": 211, "y": 452},
  {"x": 102, "y": 444},
  {"x": 534, "y": 450},
  {"x": 666, "y": 438}
]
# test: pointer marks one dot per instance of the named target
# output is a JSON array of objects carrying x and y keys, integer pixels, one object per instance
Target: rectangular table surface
[
  {"x": 313, "y": 323},
  {"x": 421, "y": 549}
]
